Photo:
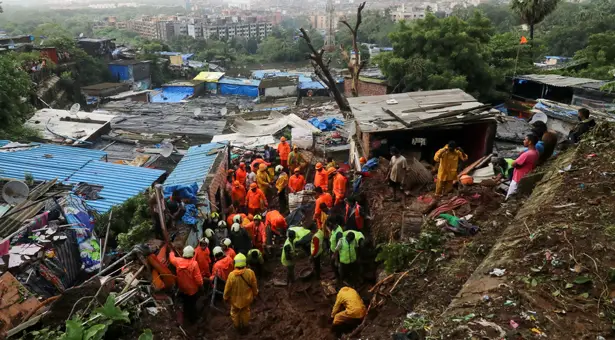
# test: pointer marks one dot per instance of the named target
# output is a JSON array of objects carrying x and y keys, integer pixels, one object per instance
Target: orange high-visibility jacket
[
  {"x": 276, "y": 221},
  {"x": 238, "y": 194},
  {"x": 339, "y": 186},
  {"x": 283, "y": 150},
  {"x": 222, "y": 268},
  {"x": 189, "y": 277},
  {"x": 240, "y": 176},
  {"x": 296, "y": 183},
  {"x": 203, "y": 260},
  {"x": 321, "y": 179},
  {"x": 325, "y": 198},
  {"x": 253, "y": 199}
]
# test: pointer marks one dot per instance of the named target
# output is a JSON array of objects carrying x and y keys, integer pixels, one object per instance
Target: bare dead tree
[
  {"x": 321, "y": 69},
  {"x": 354, "y": 67}
]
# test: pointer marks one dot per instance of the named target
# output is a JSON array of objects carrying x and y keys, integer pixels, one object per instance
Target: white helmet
[
  {"x": 218, "y": 250},
  {"x": 227, "y": 242},
  {"x": 188, "y": 252},
  {"x": 237, "y": 218},
  {"x": 279, "y": 168},
  {"x": 209, "y": 233},
  {"x": 221, "y": 224},
  {"x": 204, "y": 240},
  {"x": 235, "y": 227}
]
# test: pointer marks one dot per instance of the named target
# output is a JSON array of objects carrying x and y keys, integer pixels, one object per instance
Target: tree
[
  {"x": 321, "y": 69},
  {"x": 434, "y": 54},
  {"x": 600, "y": 54},
  {"x": 533, "y": 12},
  {"x": 354, "y": 66},
  {"x": 252, "y": 46},
  {"x": 15, "y": 90}
]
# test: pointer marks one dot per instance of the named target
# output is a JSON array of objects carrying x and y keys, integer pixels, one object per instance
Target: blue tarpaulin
[
  {"x": 240, "y": 90},
  {"x": 185, "y": 191},
  {"x": 172, "y": 94},
  {"x": 327, "y": 124}
]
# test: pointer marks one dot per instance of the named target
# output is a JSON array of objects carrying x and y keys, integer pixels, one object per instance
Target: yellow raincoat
[
  {"x": 282, "y": 182},
  {"x": 262, "y": 179},
  {"x": 447, "y": 172},
  {"x": 348, "y": 305},
  {"x": 240, "y": 290}
]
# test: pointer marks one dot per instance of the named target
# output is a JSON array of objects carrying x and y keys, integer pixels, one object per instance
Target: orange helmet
[
  {"x": 253, "y": 186},
  {"x": 297, "y": 170},
  {"x": 318, "y": 166},
  {"x": 362, "y": 160},
  {"x": 330, "y": 170},
  {"x": 262, "y": 167},
  {"x": 250, "y": 217},
  {"x": 283, "y": 139},
  {"x": 295, "y": 147},
  {"x": 242, "y": 165},
  {"x": 236, "y": 184}
]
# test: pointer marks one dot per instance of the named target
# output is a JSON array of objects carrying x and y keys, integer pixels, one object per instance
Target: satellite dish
[
  {"x": 166, "y": 149},
  {"x": 75, "y": 109},
  {"x": 223, "y": 111},
  {"x": 197, "y": 112},
  {"x": 15, "y": 192}
]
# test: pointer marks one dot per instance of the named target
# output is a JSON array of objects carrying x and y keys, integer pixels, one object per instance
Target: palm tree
[{"x": 533, "y": 12}]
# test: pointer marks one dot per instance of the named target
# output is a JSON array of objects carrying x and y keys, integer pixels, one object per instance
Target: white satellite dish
[
  {"x": 197, "y": 112},
  {"x": 15, "y": 192},
  {"x": 75, "y": 109},
  {"x": 223, "y": 111},
  {"x": 166, "y": 149}
]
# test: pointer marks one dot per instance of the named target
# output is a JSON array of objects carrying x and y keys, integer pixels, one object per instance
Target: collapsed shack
[{"x": 420, "y": 123}]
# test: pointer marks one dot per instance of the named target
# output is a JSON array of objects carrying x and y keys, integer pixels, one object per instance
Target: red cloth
[
  {"x": 449, "y": 205},
  {"x": 203, "y": 260},
  {"x": 296, "y": 183},
  {"x": 189, "y": 278},
  {"x": 222, "y": 268}
]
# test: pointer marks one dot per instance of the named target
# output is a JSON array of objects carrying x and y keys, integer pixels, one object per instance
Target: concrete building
[{"x": 411, "y": 12}]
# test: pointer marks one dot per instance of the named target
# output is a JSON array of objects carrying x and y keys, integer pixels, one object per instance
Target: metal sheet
[
  {"x": 120, "y": 182},
  {"x": 557, "y": 80},
  {"x": 195, "y": 166}
]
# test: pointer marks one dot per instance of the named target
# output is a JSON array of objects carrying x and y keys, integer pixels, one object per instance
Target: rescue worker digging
[
  {"x": 189, "y": 280},
  {"x": 347, "y": 251},
  {"x": 348, "y": 311},
  {"x": 240, "y": 290},
  {"x": 297, "y": 237}
]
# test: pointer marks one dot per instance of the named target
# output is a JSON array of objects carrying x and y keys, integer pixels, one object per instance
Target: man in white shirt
[{"x": 397, "y": 171}]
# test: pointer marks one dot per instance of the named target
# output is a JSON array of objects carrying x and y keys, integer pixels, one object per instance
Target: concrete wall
[
  {"x": 281, "y": 92},
  {"x": 365, "y": 88},
  {"x": 216, "y": 180}
]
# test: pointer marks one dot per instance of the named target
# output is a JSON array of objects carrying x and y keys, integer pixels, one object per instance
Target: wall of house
[
  {"x": 141, "y": 71},
  {"x": 217, "y": 181},
  {"x": 281, "y": 92},
  {"x": 365, "y": 88}
]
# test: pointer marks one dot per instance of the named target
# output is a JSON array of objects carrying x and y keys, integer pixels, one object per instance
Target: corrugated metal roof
[
  {"x": 557, "y": 80},
  {"x": 120, "y": 182},
  {"x": 194, "y": 166},
  {"x": 238, "y": 81},
  {"x": 46, "y": 162}
]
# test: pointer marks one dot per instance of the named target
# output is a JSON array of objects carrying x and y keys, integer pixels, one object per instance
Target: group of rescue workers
[{"x": 232, "y": 259}]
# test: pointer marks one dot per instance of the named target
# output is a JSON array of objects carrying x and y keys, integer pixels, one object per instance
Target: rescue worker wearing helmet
[
  {"x": 255, "y": 200},
  {"x": 189, "y": 280},
  {"x": 241, "y": 174},
  {"x": 346, "y": 251},
  {"x": 240, "y": 239},
  {"x": 221, "y": 230},
  {"x": 238, "y": 196},
  {"x": 298, "y": 237},
  {"x": 262, "y": 178},
  {"x": 239, "y": 291},
  {"x": 202, "y": 255},
  {"x": 213, "y": 240},
  {"x": 275, "y": 224},
  {"x": 340, "y": 183},
  {"x": 258, "y": 230},
  {"x": 448, "y": 157},
  {"x": 322, "y": 197},
  {"x": 283, "y": 151},
  {"x": 221, "y": 269},
  {"x": 295, "y": 159},
  {"x": 281, "y": 184},
  {"x": 321, "y": 178},
  {"x": 256, "y": 262},
  {"x": 227, "y": 249},
  {"x": 348, "y": 311},
  {"x": 296, "y": 182}
]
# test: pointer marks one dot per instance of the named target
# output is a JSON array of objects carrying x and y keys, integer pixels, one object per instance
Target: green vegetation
[
  {"x": 399, "y": 256},
  {"x": 15, "y": 90}
]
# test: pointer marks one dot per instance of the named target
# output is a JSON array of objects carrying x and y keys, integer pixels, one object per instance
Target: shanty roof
[
  {"x": 59, "y": 124},
  {"x": 406, "y": 111},
  {"x": 557, "y": 80},
  {"x": 73, "y": 165},
  {"x": 209, "y": 77},
  {"x": 239, "y": 81},
  {"x": 194, "y": 166},
  {"x": 274, "y": 123},
  {"x": 103, "y": 86}
]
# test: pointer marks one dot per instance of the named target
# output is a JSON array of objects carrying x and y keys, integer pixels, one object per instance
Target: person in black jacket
[{"x": 584, "y": 126}]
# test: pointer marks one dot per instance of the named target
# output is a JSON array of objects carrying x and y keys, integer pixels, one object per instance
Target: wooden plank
[{"x": 396, "y": 117}]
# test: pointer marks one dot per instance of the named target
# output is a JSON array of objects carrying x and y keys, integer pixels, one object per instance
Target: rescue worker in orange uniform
[
  {"x": 255, "y": 200},
  {"x": 222, "y": 267},
  {"x": 296, "y": 182},
  {"x": 257, "y": 229},
  {"x": 241, "y": 174},
  {"x": 240, "y": 290},
  {"x": 321, "y": 178},
  {"x": 242, "y": 219},
  {"x": 202, "y": 256},
  {"x": 354, "y": 217},
  {"x": 283, "y": 151},
  {"x": 348, "y": 311},
  {"x": 189, "y": 280},
  {"x": 238, "y": 196},
  {"x": 323, "y": 197},
  {"x": 275, "y": 224},
  {"x": 226, "y": 248},
  {"x": 340, "y": 182}
]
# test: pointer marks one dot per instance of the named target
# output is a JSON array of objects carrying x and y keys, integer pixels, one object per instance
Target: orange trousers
[{"x": 240, "y": 317}]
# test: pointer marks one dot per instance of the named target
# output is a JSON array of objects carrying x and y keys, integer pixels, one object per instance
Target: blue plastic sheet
[
  {"x": 241, "y": 90},
  {"x": 185, "y": 191},
  {"x": 327, "y": 124}
]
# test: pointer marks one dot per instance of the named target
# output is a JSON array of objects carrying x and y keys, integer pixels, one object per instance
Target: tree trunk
[
  {"x": 354, "y": 67},
  {"x": 532, "y": 32}
]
